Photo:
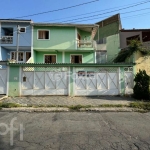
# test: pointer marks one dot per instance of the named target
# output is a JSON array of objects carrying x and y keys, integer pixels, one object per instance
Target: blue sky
[{"x": 94, "y": 11}]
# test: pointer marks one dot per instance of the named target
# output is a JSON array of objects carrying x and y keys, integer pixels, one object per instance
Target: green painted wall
[
  {"x": 88, "y": 57},
  {"x": 112, "y": 46},
  {"x": 84, "y": 34},
  {"x": 108, "y": 30},
  {"x": 40, "y": 56},
  {"x": 14, "y": 89},
  {"x": 60, "y": 38}
]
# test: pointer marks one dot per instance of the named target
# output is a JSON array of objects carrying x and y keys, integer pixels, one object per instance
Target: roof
[
  {"x": 64, "y": 24},
  {"x": 134, "y": 30},
  {"x": 15, "y": 20}
]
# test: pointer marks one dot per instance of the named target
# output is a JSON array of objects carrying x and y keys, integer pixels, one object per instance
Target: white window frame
[
  {"x": 76, "y": 55},
  {"x": 22, "y": 32},
  {"x": 42, "y": 30},
  {"x": 51, "y": 55},
  {"x": 16, "y": 55}
]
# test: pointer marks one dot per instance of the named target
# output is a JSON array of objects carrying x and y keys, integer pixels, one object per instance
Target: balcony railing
[
  {"x": 84, "y": 43},
  {"x": 6, "y": 39}
]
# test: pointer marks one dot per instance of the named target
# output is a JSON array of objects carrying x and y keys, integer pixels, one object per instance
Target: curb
[
  {"x": 64, "y": 109},
  {"x": 3, "y": 98}
]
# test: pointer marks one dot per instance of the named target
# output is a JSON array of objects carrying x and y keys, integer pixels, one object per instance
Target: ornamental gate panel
[
  {"x": 96, "y": 81},
  {"x": 3, "y": 81},
  {"x": 44, "y": 81},
  {"x": 129, "y": 80}
]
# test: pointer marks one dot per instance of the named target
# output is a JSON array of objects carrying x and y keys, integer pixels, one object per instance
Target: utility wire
[
  {"x": 108, "y": 11},
  {"x": 109, "y": 16},
  {"x": 92, "y": 12},
  {"x": 57, "y": 9}
]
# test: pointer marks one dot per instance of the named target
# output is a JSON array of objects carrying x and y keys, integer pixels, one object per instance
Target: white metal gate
[
  {"x": 44, "y": 81},
  {"x": 3, "y": 81},
  {"x": 129, "y": 80},
  {"x": 98, "y": 81}
]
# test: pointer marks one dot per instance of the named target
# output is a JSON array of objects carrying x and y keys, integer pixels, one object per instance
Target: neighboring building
[
  {"x": 8, "y": 39},
  {"x": 64, "y": 43},
  {"x": 108, "y": 41},
  {"x": 142, "y": 35}
]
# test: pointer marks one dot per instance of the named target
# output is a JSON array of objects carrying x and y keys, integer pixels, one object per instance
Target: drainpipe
[{"x": 17, "y": 43}]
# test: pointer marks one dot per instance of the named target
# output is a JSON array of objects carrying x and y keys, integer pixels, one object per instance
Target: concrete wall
[
  {"x": 124, "y": 35},
  {"x": 142, "y": 63},
  {"x": 15, "y": 80},
  {"x": 112, "y": 47}
]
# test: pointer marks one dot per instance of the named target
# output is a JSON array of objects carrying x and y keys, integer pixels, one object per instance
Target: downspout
[{"x": 32, "y": 43}]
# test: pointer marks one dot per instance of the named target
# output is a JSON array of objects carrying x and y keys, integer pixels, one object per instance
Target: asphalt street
[{"x": 74, "y": 131}]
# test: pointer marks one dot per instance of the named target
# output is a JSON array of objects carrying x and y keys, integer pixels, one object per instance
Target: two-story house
[
  {"x": 15, "y": 33},
  {"x": 64, "y": 43}
]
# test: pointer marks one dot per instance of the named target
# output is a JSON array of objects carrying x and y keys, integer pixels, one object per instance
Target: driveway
[
  {"x": 76, "y": 131},
  {"x": 68, "y": 101}
]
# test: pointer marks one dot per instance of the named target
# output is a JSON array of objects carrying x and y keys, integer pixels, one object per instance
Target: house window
[
  {"x": 28, "y": 55},
  {"x": 76, "y": 59},
  {"x": 22, "y": 30},
  {"x": 43, "y": 34},
  {"x": 50, "y": 58},
  {"x": 101, "y": 56},
  {"x": 20, "y": 56}
]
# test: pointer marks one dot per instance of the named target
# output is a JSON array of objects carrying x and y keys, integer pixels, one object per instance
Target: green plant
[
  {"x": 133, "y": 47},
  {"x": 141, "y": 88}
]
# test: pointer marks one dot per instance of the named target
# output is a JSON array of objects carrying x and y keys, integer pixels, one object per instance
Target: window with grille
[
  {"x": 50, "y": 58},
  {"x": 43, "y": 34},
  {"x": 101, "y": 56},
  {"x": 76, "y": 59},
  {"x": 28, "y": 55},
  {"x": 20, "y": 56}
]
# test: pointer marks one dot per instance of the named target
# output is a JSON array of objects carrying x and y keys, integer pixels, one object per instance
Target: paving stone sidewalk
[{"x": 68, "y": 101}]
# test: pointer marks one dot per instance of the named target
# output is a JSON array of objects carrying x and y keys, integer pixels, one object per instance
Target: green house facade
[{"x": 63, "y": 43}]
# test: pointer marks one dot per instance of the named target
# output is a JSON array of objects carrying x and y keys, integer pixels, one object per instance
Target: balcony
[
  {"x": 85, "y": 44},
  {"x": 7, "y": 40}
]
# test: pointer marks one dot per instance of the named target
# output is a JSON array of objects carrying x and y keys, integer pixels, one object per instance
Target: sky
[{"x": 133, "y": 13}]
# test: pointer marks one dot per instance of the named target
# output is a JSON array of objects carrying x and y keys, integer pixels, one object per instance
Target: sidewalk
[{"x": 69, "y": 101}]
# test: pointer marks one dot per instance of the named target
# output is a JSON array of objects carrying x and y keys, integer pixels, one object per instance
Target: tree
[{"x": 141, "y": 88}]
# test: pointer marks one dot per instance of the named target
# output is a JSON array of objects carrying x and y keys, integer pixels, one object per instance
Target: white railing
[
  {"x": 6, "y": 39},
  {"x": 84, "y": 43}
]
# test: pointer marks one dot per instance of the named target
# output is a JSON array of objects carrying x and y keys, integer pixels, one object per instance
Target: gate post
[
  {"x": 71, "y": 81},
  {"x": 121, "y": 81},
  {"x": 14, "y": 81}
]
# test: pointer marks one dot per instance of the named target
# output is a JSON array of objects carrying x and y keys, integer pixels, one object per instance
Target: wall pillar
[
  {"x": 122, "y": 80},
  {"x": 14, "y": 81},
  {"x": 71, "y": 81}
]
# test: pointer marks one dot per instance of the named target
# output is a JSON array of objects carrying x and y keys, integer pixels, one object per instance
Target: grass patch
[
  {"x": 9, "y": 105},
  {"x": 78, "y": 107},
  {"x": 140, "y": 105},
  {"x": 111, "y": 105}
]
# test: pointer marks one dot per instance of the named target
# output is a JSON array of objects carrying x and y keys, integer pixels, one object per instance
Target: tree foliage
[
  {"x": 133, "y": 47},
  {"x": 141, "y": 88}
]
